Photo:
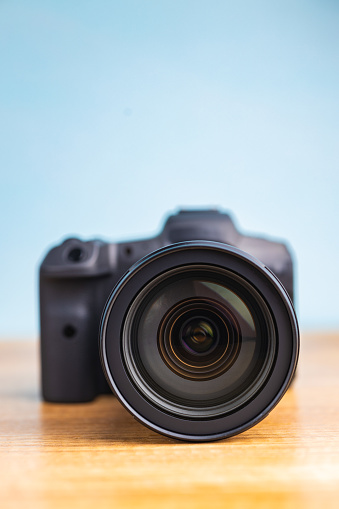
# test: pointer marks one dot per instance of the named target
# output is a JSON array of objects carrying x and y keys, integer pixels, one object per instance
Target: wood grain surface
[{"x": 97, "y": 455}]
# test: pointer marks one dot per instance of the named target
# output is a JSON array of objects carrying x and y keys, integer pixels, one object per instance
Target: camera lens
[{"x": 199, "y": 341}]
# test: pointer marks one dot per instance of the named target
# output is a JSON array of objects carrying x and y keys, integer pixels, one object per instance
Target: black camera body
[{"x": 77, "y": 277}]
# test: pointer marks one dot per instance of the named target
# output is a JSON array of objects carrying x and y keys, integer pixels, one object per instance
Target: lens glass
[
  {"x": 199, "y": 341},
  {"x": 198, "y": 336}
]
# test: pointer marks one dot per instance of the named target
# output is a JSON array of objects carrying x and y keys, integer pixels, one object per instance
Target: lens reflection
[
  {"x": 198, "y": 341},
  {"x": 198, "y": 336}
]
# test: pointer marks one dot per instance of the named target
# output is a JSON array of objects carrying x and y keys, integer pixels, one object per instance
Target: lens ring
[{"x": 216, "y": 360}]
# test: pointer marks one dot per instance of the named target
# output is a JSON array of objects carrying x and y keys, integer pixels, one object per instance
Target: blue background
[{"x": 113, "y": 113}]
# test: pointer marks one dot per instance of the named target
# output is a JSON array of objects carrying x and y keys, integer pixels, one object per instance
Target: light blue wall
[{"x": 114, "y": 112}]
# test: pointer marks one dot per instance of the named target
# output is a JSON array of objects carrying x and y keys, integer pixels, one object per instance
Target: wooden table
[{"x": 97, "y": 455}]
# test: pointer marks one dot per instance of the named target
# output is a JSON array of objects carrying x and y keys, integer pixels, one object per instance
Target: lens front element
[{"x": 198, "y": 341}]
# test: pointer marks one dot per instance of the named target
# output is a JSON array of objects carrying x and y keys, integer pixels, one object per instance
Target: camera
[{"x": 193, "y": 330}]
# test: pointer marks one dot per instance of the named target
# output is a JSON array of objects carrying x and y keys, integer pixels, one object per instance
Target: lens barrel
[{"x": 199, "y": 341}]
